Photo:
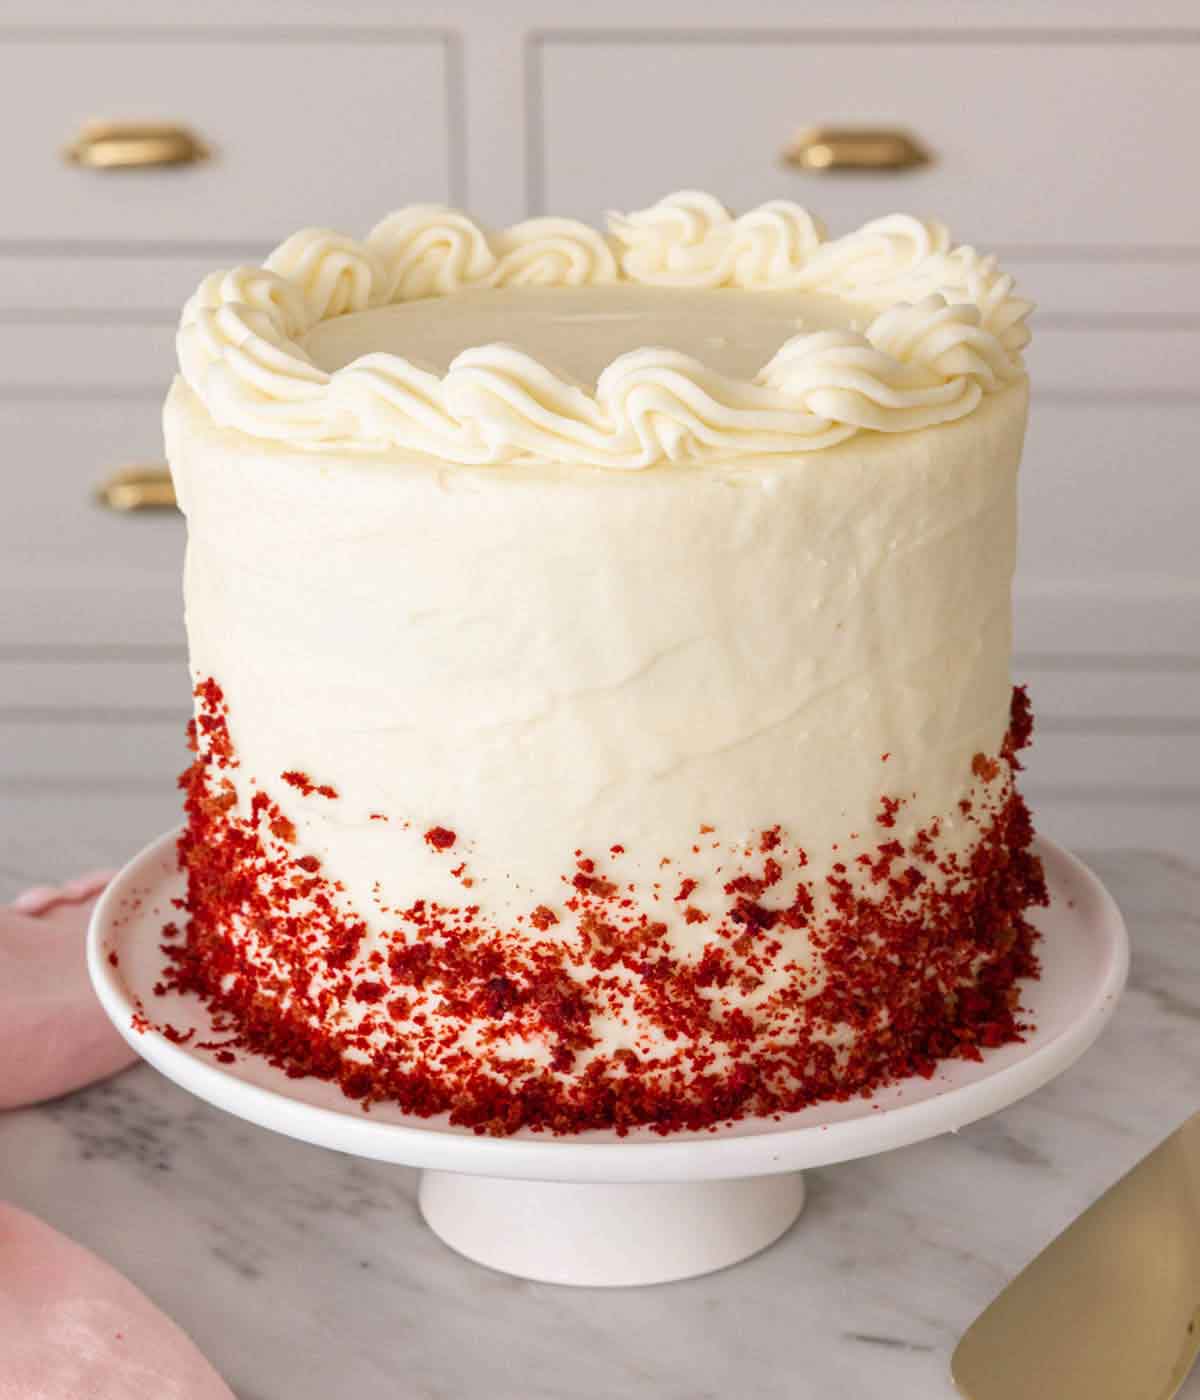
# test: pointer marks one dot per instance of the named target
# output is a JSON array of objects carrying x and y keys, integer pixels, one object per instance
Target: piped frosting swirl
[{"x": 947, "y": 329}]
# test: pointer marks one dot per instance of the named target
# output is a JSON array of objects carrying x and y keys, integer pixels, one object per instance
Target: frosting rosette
[{"x": 941, "y": 327}]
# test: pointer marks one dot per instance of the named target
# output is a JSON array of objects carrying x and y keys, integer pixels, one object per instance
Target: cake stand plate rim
[{"x": 1085, "y": 954}]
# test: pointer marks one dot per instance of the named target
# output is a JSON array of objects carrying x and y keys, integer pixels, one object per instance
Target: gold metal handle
[
  {"x": 135, "y": 146},
  {"x": 146, "y": 487},
  {"x": 821, "y": 148}
]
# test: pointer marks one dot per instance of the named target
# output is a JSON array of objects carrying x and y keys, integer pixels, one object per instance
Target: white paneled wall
[{"x": 1062, "y": 137}]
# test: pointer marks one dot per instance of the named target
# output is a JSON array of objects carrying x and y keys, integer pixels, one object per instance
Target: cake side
[
  {"x": 585, "y": 1014},
  {"x": 564, "y": 798},
  {"x": 587, "y": 1017}
]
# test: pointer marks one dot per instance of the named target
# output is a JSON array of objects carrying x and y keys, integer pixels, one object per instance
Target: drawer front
[
  {"x": 301, "y": 131},
  {"x": 71, "y": 572},
  {"x": 1109, "y": 499},
  {"x": 91, "y": 751},
  {"x": 1157, "y": 360},
  {"x": 66, "y": 289},
  {"x": 107, "y": 686},
  {"x": 1036, "y": 141},
  {"x": 1121, "y": 291},
  {"x": 87, "y": 355}
]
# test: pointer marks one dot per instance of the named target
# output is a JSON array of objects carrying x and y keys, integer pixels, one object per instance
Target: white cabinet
[
  {"x": 1036, "y": 140},
  {"x": 72, "y": 574},
  {"x": 302, "y": 131},
  {"x": 111, "y": 352},
  {"x": 1110, "y": 499},
  {"x": 1061, "y": 138}
]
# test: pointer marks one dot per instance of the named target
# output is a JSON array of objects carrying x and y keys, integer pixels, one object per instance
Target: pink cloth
[
  {"x": 72, "y": 1328},
  {"x": 54, "y": 1037}
]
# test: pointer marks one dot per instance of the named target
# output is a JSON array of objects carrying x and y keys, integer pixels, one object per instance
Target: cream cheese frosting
[
  {"x": 581, "y": 330},
  {"x": 893, "y": 329}
]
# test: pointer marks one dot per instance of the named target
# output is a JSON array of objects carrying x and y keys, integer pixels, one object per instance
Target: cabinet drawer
[
  {"x": 135, "y": 289},
  {"x": 302, "y": 130},
  {"x": 1111, "y": 292},
  {"x": 72, "y": 573},
  {"x": 1110, "y": 764},
  {"x": 131, "y": 751},
  {"x": 1109, "y": 500},
  {"x": 1038, "y": 140},
  {"x": 1080, "y": 697},
  {"x": 106, "y": 686},
  {"x": 86, "y": 355}
]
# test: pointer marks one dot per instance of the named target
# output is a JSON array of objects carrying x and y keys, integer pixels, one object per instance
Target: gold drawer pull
[
  {"x": 855, "y": 148},
  {"x": 135, "y": 146},
  {"x": 137, "y": 488}
]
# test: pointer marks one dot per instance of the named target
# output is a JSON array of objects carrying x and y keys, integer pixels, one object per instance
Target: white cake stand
[{"x": 598, "y": 1209}]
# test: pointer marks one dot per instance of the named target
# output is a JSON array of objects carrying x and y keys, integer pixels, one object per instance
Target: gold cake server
[{"x": 1110, "y": 1310}]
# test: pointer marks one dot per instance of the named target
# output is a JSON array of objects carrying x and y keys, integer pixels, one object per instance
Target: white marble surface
[{"x": 304, "y": 1275}]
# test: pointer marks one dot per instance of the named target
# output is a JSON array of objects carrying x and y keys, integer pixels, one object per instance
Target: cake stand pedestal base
[
  {"x": 595, "y": 1208},
  {"x": 605, "y": 1236}
]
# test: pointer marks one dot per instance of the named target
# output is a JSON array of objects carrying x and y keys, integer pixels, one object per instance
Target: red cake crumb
[
  {"x": 593, "y": 884},
  {"x": 305, "y": 784},
  {"x": 986, "y": 768},
  {"x": 922, "y": 970},
  {"x": 439, "y": 838},
  {"x": 459, "y": 873},
  {"x": 1020, "y": 725}
]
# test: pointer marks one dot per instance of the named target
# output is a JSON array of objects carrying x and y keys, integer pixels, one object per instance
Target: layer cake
[{"x": 601, "y": 655}]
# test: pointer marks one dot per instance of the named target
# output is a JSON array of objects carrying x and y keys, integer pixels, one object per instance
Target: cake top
[{"x": 683, "y": 334}]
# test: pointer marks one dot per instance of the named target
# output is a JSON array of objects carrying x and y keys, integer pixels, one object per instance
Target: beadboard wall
[{"x": 1063, "y": 138}]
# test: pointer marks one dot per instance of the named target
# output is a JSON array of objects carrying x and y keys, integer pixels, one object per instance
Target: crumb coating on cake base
[{"x": 916, "y": 956}]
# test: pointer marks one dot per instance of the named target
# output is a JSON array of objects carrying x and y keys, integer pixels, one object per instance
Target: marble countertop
[{"x": 305, "y": 1275}]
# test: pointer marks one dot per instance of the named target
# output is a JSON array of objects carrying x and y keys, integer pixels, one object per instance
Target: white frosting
[
  {"x": 941, "y": 329},
  {"x": 582, "y": 330}
]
